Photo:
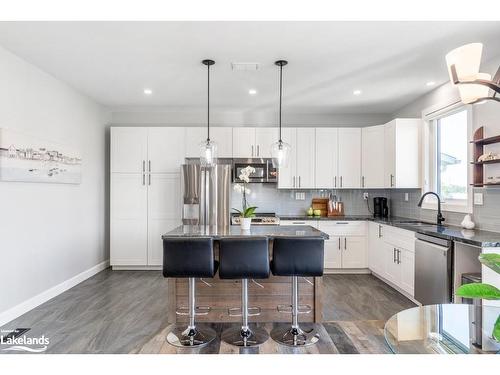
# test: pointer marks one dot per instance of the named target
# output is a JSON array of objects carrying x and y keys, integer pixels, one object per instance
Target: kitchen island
[{"x": 266, "y": 294}]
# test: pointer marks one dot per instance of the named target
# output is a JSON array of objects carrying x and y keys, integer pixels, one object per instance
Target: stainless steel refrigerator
[{"x": 206, "y": 194}]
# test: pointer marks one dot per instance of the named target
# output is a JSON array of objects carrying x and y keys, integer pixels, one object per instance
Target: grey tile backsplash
[{"x": 269, "y": 199}]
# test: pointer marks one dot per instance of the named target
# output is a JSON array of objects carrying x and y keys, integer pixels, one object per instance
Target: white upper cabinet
[
  {"x": 372, "y": 156},
  {"x": 253, "y": 142},
  {"x": 401, "y": 157},
  {"x": 305, "y": 145},
  {"x": 222, "y": 136},
  {"x": 264, "y": 138},
  {"x": 287, "y": 175},
  {"x": 326, "y": 156},
  {"x": 244, "y": 143},
  {"x": 224, "y": 139},
  {"x": 194, "y": 136},
  {"x": 165, "y": 149},
  {"x": 349, "y": 165},
  {"x": 129, "y": 149},
  {"x": 299, "y": 174}
]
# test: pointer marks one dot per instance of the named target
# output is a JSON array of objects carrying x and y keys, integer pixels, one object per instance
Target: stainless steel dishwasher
[{"x": 433, "y": 269}]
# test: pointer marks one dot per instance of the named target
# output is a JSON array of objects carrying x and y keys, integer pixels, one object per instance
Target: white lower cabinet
[
  {"x": 129, "y": 214},
  {"x": 333, "y": 253},
  {"x": 392, "y": 255},
  {"x": 346, "y": 247},
  {"x": 143, "y": 207}
]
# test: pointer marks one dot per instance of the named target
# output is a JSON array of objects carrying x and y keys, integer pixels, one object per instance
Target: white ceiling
[{"x": 113, "y": 61}]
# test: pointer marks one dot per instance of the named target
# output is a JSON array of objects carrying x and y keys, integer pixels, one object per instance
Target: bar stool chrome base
[
  {"x": 295, "y": 336},
  {"x": 236, "y": 336},
  {"x": 190, "y": 337}
]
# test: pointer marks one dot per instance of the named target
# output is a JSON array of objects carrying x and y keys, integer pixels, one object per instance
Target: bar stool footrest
[
  {"x": 285, "y": 309},
  {"x": 200, "y": 310},
  {"x": 251, "y": 311},
  {"x": 304, "y": 309}
]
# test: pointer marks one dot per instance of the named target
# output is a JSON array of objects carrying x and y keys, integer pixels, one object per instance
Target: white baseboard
[
  {"x": 137, "y": 268},
  {"x": 331, "y": 271},
  {"x": 403, "y": 292},
  {"x": 43, "y": 297}
]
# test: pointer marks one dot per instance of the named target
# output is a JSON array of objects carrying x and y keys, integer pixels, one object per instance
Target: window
[
  {"x": 448, "y": 158},
  {"x": 451, "y": 156}
]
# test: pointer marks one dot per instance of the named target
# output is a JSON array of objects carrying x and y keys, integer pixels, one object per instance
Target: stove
[{"x": 261, "y": 218}]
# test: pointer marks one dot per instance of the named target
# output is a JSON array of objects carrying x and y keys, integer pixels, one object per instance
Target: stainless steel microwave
[{"x": 264, "y": 170}]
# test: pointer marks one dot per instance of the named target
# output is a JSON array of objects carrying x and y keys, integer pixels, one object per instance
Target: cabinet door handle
[
  {"x": 143, "y": 166},
  {"x": 299, "y": 223},
  {"x": 143, "y": 179},
  {"x": 394, "y": 255},
  {"x": 149, "y": 179},
  {"x": 340, "y": 181},
  {"x": 293, "y": 183},
  {"x": 252, "y": 150},
  {"x": 399, "y": 256},
  {"x": 379, "y": 231},
  {"x": 362, "y": 181},
  {"x": 392, "y": 179},
  {"x": 339, "y": 243},
  {"x": 345, "y": 243},
  {"x": 299, "y": 181},
  {"x": 258, "y": 150},
  {"x": 335, "y": 181},
  {"x": 149, "y": 166}
]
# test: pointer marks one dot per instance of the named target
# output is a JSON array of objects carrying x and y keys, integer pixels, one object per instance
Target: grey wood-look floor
[{"x": 125, "y": 312}]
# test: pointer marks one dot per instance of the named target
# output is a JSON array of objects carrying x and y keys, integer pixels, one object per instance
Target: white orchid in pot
[{"x": 247, "y": 212}]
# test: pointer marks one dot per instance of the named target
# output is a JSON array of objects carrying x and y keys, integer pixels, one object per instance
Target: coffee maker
[{"x": 380, "y": 207}]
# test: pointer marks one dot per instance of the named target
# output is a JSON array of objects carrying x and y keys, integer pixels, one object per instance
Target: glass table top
[{"x": 443, "y": 329}]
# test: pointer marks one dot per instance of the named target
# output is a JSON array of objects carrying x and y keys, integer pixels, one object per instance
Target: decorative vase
[
  {"x": 245, "y": 223},
  {"x": 467, "y": 222}
]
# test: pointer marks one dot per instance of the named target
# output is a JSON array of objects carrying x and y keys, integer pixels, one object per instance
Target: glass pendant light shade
[
  {"x": 466, "y": 60},
  {"x": 208, "y": 153},
  {"x": 469, "y": 93},
  {"x": 280, "y": 154}
]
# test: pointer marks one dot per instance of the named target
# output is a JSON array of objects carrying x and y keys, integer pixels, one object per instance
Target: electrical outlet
[
  {"x": 300, "y": 196},
  {"x": 478, "y": 199},
  {"x": 406, "y": 197},
  {"x": 365, "y": 196}
]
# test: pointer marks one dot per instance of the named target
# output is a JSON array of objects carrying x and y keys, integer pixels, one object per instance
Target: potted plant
[
  {"x": 247, "y": 212},
  {"x": 485, "y": 291}
]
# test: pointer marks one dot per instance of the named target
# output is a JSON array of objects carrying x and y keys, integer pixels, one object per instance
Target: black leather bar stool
[
  {"x": 190, "y": 258},
  {"x": 244, "y": 258},
  {"x": 296, "y": 257}
]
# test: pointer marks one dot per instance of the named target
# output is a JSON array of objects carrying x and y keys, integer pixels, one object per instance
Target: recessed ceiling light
[
  {"x": 148, "y": 91},
  {"x": 357, "y": 92},
  {"x": 430, "y": 83},
  {"x": 252, "y": 91}
]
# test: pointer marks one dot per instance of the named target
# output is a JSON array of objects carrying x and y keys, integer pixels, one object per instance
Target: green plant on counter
[
  {"x": 485, "y": 291},
  {"x": 248, "y": 212}
]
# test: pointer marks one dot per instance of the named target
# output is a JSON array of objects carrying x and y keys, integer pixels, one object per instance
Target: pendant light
[
  {"x": 280, "y": 151},
  {"x": 208, "y": 148},
  {"x": 463, "y": 67}
]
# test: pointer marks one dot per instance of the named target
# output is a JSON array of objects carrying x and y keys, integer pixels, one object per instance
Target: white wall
[{"x": 49, "y": 233}]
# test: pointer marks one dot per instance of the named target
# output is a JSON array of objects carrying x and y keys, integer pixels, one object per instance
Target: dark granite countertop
[
  {"x": 475, "y": 237},
  {"x": 269, "y": 231}
]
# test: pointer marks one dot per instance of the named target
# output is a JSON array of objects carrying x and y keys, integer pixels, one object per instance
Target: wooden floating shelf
[
  {"x": 487, "y": 141},
  {"x": 494, "y": 161}
]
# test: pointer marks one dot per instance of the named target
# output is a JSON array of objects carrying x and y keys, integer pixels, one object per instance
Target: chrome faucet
[{"x": 440, "y": 217}]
